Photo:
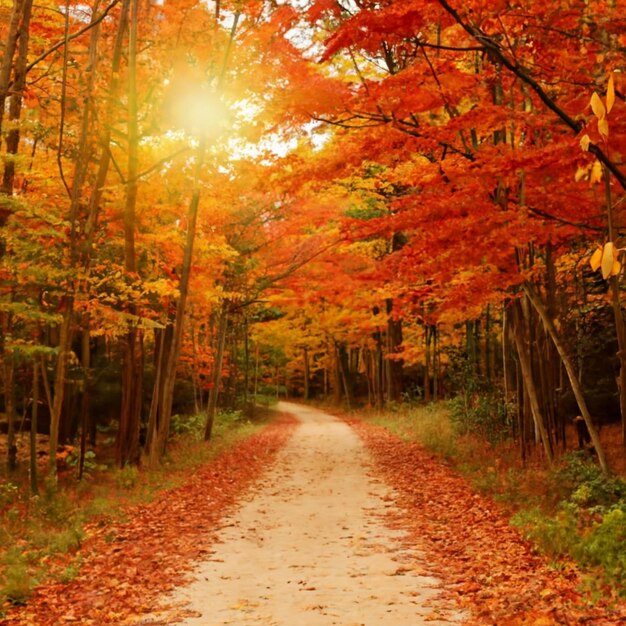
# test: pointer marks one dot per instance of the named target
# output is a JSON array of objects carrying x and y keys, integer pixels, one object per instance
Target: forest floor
[
  {"x": 310, "y": 545},
  {"x": 323, "y": 523}
]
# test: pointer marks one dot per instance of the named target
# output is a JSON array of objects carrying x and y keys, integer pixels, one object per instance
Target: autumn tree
[{"x": 479, "y": 140}]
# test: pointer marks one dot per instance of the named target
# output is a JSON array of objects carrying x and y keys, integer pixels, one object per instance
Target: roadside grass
[
  {"x": 39, "y": 535},
  {"x": 568, "y": 511}
]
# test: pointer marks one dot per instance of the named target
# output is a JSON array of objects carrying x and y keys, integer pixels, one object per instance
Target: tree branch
[
  {"x": 521, "y": 72},
  {"x": 562, "y": 220},
  {"x": 69, "y": 38}
]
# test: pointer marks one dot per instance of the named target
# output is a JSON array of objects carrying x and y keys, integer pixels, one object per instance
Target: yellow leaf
[
  {"x": 596, "y": 173},
  {"x": 597, "y": 107},
  {"x": 581, "y": 174},
  {"x": 617, "y": 268},
  {"x": 596, "y": 259},
  {"x": 610, "y": 95},
  {"x": 603, "y": 127},
  {"x": 608, "y": 259},
  {"x": 584, "y": 142}
]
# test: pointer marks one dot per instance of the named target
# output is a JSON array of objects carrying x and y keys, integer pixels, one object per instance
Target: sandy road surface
[{"x": 309, "y": 546}]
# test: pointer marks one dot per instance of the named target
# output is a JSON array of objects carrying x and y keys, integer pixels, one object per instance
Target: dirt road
[{"x": 310, "y": 546}]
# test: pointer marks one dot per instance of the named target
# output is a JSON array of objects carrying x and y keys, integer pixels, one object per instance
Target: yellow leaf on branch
[
  {"x": 608, "y": 259},
  {"x": 603, "y": 127},
  {"x": 584, "y": 142},
  {"x": 596, "y": 259},
  {"x": 597, "y": 106},
  {"x": 596, "y": 173},
  {"x": 610, "y": 94}
]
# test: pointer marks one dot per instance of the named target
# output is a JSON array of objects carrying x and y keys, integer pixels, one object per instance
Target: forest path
[{"x": 310, "y": 547}]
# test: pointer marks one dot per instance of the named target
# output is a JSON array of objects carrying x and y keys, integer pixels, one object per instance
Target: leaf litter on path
[
  {"x": 494, "y": 573},
  {"x": 464, "y": 540},
  {"x": 310, "y": 546},
  {"x": 127, "y": 566}
]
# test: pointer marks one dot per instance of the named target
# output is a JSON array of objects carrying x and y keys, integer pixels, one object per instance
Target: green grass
[
  {"x": 428, "y": 424},
  {"x": 16, "y": 578}
]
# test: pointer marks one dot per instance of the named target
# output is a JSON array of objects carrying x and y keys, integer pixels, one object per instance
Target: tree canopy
[{"x": 206, "y": 201}]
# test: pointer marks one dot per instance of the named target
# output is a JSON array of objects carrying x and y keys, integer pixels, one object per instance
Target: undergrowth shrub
[
  {"x": 194, "y": 425},
  {"x": 554, "y": 535},
  {"x": 479, "y": 408},
  {"x": 9, "y": 493},
  {"x": 580, "y": 480},
  {"x": 188, "y": 424},
  {"x": 127, "y": 477},
  {"x": 228, "y": 420},
  {"x": 484, "y": 415},
  {"x": 69, "y": 573},
  {"x": 605, "y": 547},
  {"x": 432, "y": 427},
  {"x": 428, "y": 424},
  {"x": 588, "y": 523},
  {"x": 52, "y": 506},
  {"x": 16, "y": 580}
]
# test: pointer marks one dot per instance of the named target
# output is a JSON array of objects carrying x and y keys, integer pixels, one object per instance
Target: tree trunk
[
  {"x": 15, "y": 31},
  {"x": 82, "y": 160},
  {"x": 9, "y": 401},
  {"x": 127, "y": 445},
  {"x": 571, "y": 373},
  {"x": 529, "y": 385},
  {"x": 618, "y": 315},
  {"x": 60, "y": 377},
  {"x": 368, "y": 371},
  {"x": 85, "y": 399},
  {"x": 379, "y": 379},
  {"x": 435, "y": 363},
  {"x": 394, "y": 366},
  {"x": 326, "y": 380},
  {"x": 132, "y": 375},
  {"x": 17, "y": 91},
  {"x": 217, "y": 371},
  {"x": 620, "y": 329},
  {"x": 18, "y": 31},
  {"x": 342, "y": 369},
  {"x": 34, "y": 482},
  {"x": 256, "y": 371},
  {"x": 162, "y": 346},
  {"x": 427, "y": 359},
  {"x": 105, "y": 138},
  {"x": 338, "y": 384},
  {"x": 169, "y": 375},
  {"x": 195, "y": 378},
  {"x": 246, "y": 357}
]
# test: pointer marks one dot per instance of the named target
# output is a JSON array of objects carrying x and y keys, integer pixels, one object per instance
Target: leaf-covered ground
[
  {"x": 309, "y": 546},
  {"x": 466, "y": 541},
  {"x": 469, "y": 544},
  {"x": 126, "y": 566}
]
